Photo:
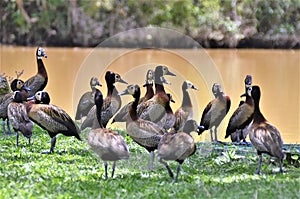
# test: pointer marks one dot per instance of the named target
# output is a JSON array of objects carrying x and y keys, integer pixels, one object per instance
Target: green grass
[{"x": 73, "y": 171}]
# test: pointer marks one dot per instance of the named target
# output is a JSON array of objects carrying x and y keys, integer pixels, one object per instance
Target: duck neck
[
  {"x": 186, "y": 100},
  {"x": 159, "y": 87},
  {"x": 41, "y": 68},
  {"x": 110, "y": 89},
  {"x": 132, "y": 111},
  {"x": 168, "y": 108},
  {"x": 249, "y": 100},
  {"x": 258, "y": 116},
  {"x": 98, "y": 113},
  {"x": 149, "y": 92}
]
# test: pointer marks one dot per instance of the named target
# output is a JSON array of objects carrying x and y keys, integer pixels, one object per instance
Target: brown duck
[
  {"x": 264, "y": 136},
  {"x": 107, "y": 144}
]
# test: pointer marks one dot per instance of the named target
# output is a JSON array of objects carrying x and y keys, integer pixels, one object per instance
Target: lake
[{"x": 275, "y": 71}]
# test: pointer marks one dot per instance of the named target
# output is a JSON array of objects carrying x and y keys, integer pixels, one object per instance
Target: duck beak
[
  {"x": 44, "y": 54},
  {"x": 194, "y": 87},
  {"x": 199, "y": 129},
  {"x": 124, "y": 92},
  {"x": 244, "y": 95},
  {"x": 172, "y": 101},
  {"x": 30, "y": 98},
  {"x": 99, "y": 84},
  {"x": 122, "y": 81},
  {"x": 170, "y": 73},
  {"x": 26, "y": 88}
]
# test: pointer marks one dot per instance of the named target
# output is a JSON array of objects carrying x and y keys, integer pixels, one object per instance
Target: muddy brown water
[{"x": 275, "y": 71}]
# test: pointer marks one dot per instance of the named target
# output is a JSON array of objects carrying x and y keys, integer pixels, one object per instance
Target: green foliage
[{"x": 73, "y": 171}]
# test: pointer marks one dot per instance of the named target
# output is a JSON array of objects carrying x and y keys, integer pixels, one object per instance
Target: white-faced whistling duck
[
  {"x": 107, "y": 144},
  {"x": 177, "y": 146},
  {"x": 18, "y": 117},
  {"x": 241, "y": 118},
  {"x": 39, "y": 81},
  {"x": 215, "y": 111},
  {"x": 145, "y": 133},
  {"x": 51, "y": 118},
  {"x": 86, "y": 101},
  {"x": 121, "y": 116},
  {"x": 185, "y": 111},
  {"x": 16, "y": 85},
  {"x": 154, "y": 108},
  {"x": 263, "y": 135},
  {"x": 168, "y": 121},
  {"x": 111, "y": 104}
]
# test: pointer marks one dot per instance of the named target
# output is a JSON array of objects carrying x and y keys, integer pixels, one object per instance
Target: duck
[
  {"x": 39, "y": 81},
  {"x": 241, "y": 118},
  {"x": 185, "y": 111},
  {"x": 16, "y": 85},
  {"x": 86, "y": 101},
  {"x": 177, "y": 146},
  {"x": 145, "y": 133},
  {"x": 107, "y": 144},
  {"x": 17, "y": 115},
  {"x": 122, "y": 115},
  {"x": 215, "y": 111},
  {"x": 50, "y": 117},
  {"x": 264, "y": 136},
  {"x": 168, "y": 121},
  {"x": 154, "y": 108},
  {"x": 111, "y": 104}
]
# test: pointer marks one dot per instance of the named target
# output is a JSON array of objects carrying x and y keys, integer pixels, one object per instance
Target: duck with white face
[{"x": 50, "y": 117}]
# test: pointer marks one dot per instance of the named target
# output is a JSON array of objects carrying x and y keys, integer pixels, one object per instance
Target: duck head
[
  {"x": 216, "y": 89},
  {"x": 18, "y": 84},
  {"x": 40, "y": 52},
  {"x": 17, "y": 97},
  {"x": 111, "y": 77},
  {"x": 133, "y": 90},
  {"x": 188, "y": 85},
  {"x": 248, "y": 80},
  {"x": 41, "y": 97},
  {"x": 94, "y": 82},
  {"x": 149, "y": 77}
]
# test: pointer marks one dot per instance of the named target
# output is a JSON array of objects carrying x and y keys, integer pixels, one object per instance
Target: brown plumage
[
  {"x": 122, "y": 115},
  {"x": 242, "y": 116},
  {"x": 177, "y": 146},
  {"x": 16, "y": 85},
  {"x": 39, "y": 81},
  {"x": 263, "y": 135},
  {"x": 4, "y": 86},
  {"x": 111, "y": 104},
  {"x": 154, "y": 108},
  {"x": 86, "y": 101},
  {"x": 185, "y": 111},
  {"x": 145, "y": 133},
  {"x": 51, "y": 118},
  {"x": 107, "y": 144},
  {"x": 215, "y": 111},
  {"x": 18, "y": 117},
  {"x": 168, "y": 121}
]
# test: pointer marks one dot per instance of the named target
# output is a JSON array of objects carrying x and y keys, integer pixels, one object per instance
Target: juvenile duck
[
  {"x": 107, "y": 144},
  {"x": 264, "y": 136},
  {"x": 51, "y": 118},
  {"x": 39, "y": 81},
  {"x": 86, "y": 101},
  {"x": 177, "y": 146},
  {"x": 215, "y": 111},
  {"x": 18, "y": 117},
  {"x": 145, "y": 133},
  {"x": 122, "y": 115},
  {"x": 111, "y": 104},
  {"x": 185, "y": 111}
]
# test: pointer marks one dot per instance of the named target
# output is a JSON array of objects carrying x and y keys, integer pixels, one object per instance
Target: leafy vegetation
[
  {"x": 213, "y": 23},
  {"x": 73, "y": 171}
]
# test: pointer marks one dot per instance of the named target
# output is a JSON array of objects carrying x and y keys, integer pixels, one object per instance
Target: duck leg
[
  {"x": 150, "y": 166},
  {"x": 8, "y": 126},
  {"x": 29, "y": 141},
  {"x": 17, "y": 137},
  {"x": 105, "y": 168},
  {"x": 3, "y": 127},
  {"x": 168, "y": 168},
  {"x": 53, "y": 142},
  {"x": 113, "y": 169},
  {"x": 216, "y": 137},
  {"x": 177, "y": 171},
  {"x": 280, "y": 166},
  {"x": 259, "y": 162},
  {"x": 211, "y": 135}
]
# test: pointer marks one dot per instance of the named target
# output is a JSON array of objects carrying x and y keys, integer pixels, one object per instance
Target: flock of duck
[{"x": 150, "y": 120}]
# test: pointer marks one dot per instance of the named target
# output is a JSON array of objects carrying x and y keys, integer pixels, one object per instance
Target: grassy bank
[{"x": 74, "y": 172}]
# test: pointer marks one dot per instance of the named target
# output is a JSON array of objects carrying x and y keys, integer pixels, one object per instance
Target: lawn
[{"x": 73, "y": 171}]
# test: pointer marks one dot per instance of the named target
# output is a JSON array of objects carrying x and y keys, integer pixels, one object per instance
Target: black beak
[
  {"x": 172, "y": 101},
  {"x": 244, "y": 95},
  {"x": 30, "y": 98},
  {"x": 124, "y": 93},
  {"x": 26, "y": 88},
  {"x": 170, "y": 73}
]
